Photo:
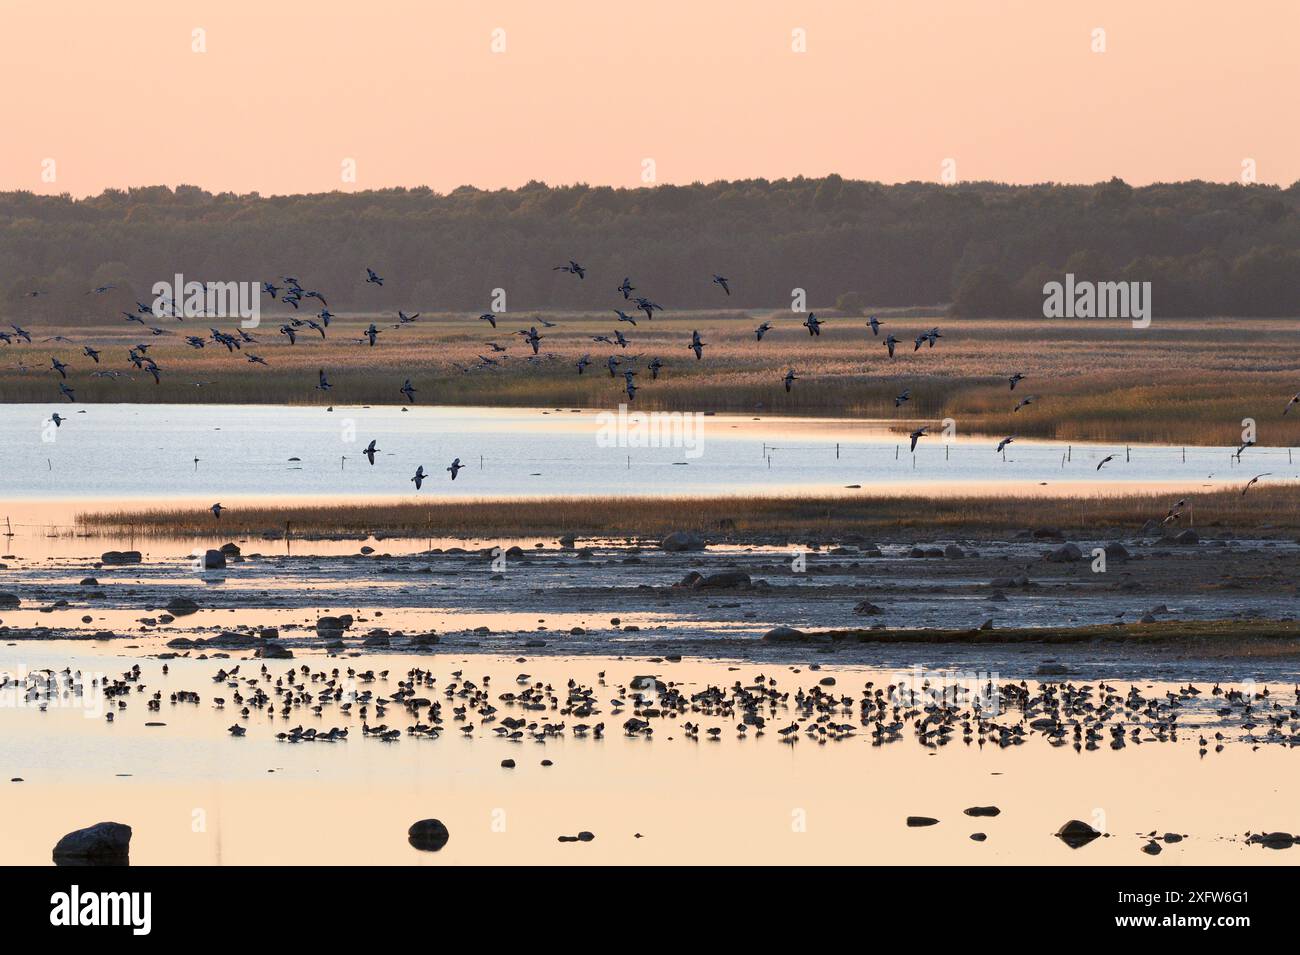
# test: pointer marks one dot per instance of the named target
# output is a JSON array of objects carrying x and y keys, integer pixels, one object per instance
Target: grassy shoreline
[
  {"x": 1275, "y": 509},
  {"x": 1180, "y": 382}
]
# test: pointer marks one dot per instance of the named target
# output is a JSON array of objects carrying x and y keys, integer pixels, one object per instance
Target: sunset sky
[{"x": 585, "y": 91}]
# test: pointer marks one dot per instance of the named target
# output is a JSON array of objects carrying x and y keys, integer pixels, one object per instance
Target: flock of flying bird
[{"x": 294, "y": 294}]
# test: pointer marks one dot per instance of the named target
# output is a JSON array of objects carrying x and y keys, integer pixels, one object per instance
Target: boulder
[
  {"x": 274, "y": 651},
  {"x": 953, "y": 552},
  {"x": 1066, "y": 553},
  {"x": 867, "y": 609},
  {"x": 682, "y": 541},
  {"x": 1076, "y": 834},
  {"x": 783, "y": 635},
  {"x": 916, "y": 822},
  {"x": 104, "y": 843},
  {"x": 118, "y": 557},
  {"x": 1048, "y": 533},
  {"x": 722, "y": 579},
  {"x": 9, "y": 601},
  {"x": 1116, "y": 551},
  {"x": 182, "y": 606},
  {"x": 213, "y": 560},
  {"x": 428, "y": 835},
  {"x": 230, "y": 550}
]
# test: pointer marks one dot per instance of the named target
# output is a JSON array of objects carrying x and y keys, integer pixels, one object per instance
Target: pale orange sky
[{"x": 587, "y": 89}]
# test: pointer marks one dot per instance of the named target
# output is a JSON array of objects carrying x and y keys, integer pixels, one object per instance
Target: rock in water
[
  {"x": 1076, "y": 834},
  {"x": 104, "y": 843},
  {"x": 428, "y": 835},
  {"x": 682, "y": 540},
  {"x": 783, "y": 635},
  {"x": 213, "y": 560},
  {"x": 983, "y": 811},
  {"x": 915, "y": 822}
]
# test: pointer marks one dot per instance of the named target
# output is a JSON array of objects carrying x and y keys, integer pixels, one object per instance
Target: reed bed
[
  {"x": 1272, "y": 509},
  {"x": 1181, "y": 382}
]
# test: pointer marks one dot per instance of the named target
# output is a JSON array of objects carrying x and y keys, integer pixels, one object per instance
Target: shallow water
[
  {"x": 147, "y": 453},
  {"x": 194, "y": 794}
]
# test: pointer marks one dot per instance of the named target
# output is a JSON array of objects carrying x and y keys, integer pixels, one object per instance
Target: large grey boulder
[
  {"x": 104, "y": 843},
  {"x": 682, "y": 540}
]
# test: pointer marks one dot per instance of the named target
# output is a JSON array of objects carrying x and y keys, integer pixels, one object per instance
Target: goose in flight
[
  {"x": 194, "y": 341},
  {"x": 654, "y": 366},
  {"x": 697, "y": 345},
  {"x": 91, "y": 354},
  {"x": 813, "y": 324},
  {"x": 488, "y": 317},
  {"x": 404, "y": 319},
  {"x": 60, "y": 367},
  {"x": 216, "y": 510},
  {"x": 316, "y": 327},
  {"x": 22, "y": 333},
  {"x": 372, "y": 333},
  {"x": 613, "y": 362},
  {"x": 583, "y": 362},
  {"x": 722, "y": 281},
  {"x": 1027, "y": 400},
  {"x": 1104, "y": 461},
  {"x": 649, "y": 307},
  {"x": 761, "y": 331},
  {"x": 1003, "y": 443},
  {"x": 627, "y": 288},
  {"x": 917, "y": 435},
  {"x": 624, "y": 316},
  {"x": 1252, "y": 481},
  {"x": 370, "y": 452},
  {"x": 67, "y": 392},
  {"x": 419, "y": 477},
  {"x": 535, "y": 339},
  {"x": 933, "y": 335},
  {"x": 373, "y": 278},
  {"x": 1175, "y": 512},
  {"x": 1248, "y": 444},
  {"x": 629, "y": 385},
  {"x": 325, "y": 315},
  {"x": 455, "y": 468},
  {"x": 100, "y": 290},
  {"x": 408, "y": 390},
  {"x": 572, "y": 268},
  {"x": 1015, "y": 380},
  {"x": 905, "y": 396},
  {"x": 496, "y": 349},
  {"x": 918, "y": 342},
  {"x": 257, "y": 360},
  {"x": 322, "y": 383},
  {"x": 875, "y": 324},
  {"x": 890, "y": 342},
  {"x": 1295, "y": 399},
  {"x": 619, "y": 340},
  {"x": 271, "y": 290},
  {"x": 58, "y": 419},
  {"x": 288, "y": 331},
  {"x": 790, "y": 379}
]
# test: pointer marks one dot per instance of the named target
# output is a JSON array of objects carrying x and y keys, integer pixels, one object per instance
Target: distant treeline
[{"x": 987, "y": 248}]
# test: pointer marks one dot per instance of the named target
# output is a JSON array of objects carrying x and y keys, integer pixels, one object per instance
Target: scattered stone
[
  {"x": 428, "y": 835},
  {"x": 213, "y": 560},
  {"x": 868, "y": 609},
  {"x": 983, "y": 811},
  {"x": 978, "y": 837},
  {"x": 182, "y": 606},
  {"x": 119, "y": 557},
  {"x": 507, "y": 764},
  {"x": 783, "y": 635},
  {"x": 1076, "y": 834},
  {"x": 916, "y": 822},
  {"x": 1152, "y": 848}
]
